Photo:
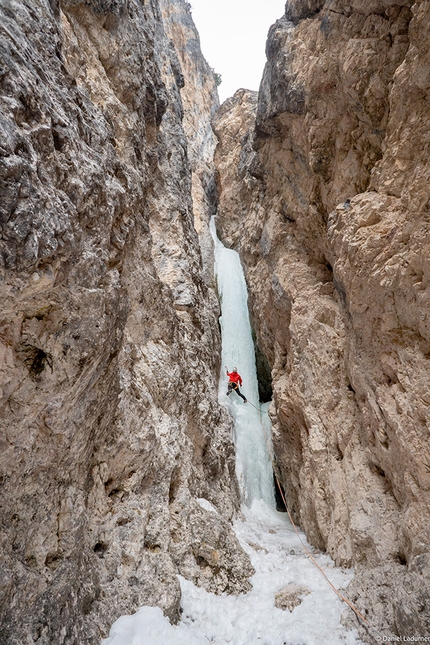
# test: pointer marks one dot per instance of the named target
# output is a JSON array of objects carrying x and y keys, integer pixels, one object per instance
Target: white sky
[{"x": 233, "y": 38}]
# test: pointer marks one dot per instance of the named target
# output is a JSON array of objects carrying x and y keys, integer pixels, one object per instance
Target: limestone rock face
[
  {"x": 109, "y": 341},
  {"x": 326, "y": 198},
  {"x": 200, "y": 102}
]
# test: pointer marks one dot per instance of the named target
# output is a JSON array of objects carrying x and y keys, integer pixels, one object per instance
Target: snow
[
  {"x": 206, "y": 505},
  {"x": 275, "y": 549},
  {"x": 252, "y": 619}
]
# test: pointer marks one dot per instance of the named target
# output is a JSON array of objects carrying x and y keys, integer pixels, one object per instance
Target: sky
[{"x": 233, "y": 38}]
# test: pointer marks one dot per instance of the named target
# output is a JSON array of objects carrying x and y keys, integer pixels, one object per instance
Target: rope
[
  {"x": 312, "y": 559},
  {"x": 359, "y": 615}
]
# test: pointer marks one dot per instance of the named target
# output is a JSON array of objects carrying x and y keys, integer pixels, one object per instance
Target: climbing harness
[
  {"x": 234, "y": 386},
  {"x": 379, "y": 637}
]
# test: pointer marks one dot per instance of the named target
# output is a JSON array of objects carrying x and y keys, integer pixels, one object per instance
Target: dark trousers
[{"x": 234, "y": 386}]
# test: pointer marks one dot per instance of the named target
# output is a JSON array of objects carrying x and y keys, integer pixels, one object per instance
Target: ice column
[{"x": 252, "y": 426}]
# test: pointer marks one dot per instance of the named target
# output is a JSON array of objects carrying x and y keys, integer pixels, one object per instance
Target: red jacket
[{"x": 234, "y": 377}]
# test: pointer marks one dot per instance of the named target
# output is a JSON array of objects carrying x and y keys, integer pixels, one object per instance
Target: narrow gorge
[{"x": 115, "y": 155}]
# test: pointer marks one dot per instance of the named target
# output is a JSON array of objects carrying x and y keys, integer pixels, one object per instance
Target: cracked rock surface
[
  {"x": 109, "y": 341},
  {"x": 324, "y": 191}
]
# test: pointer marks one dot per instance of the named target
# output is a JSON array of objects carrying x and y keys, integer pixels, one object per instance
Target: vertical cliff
[
  {"x": 200, "y": 102},
  {"x": 324, "y": 191},
  {"x": 109, "y": 340}
]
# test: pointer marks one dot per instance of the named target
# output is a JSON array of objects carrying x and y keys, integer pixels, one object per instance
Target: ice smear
[{"x": 267, "y": 536}]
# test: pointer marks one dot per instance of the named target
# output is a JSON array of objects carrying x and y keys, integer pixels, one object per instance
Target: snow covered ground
[
  {"x": 252, "y": 618},
  {"x": 266, "y": 535}
]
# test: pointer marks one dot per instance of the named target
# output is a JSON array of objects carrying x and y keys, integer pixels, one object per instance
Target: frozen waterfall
[
  {"x": 275, "y": 550},
  {"x": 252, "y": 425}
]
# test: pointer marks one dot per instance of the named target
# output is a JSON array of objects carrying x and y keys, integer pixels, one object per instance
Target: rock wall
[
  {"x": 200, "y": 102},
  {"x": 109, "y": 341},
  {"x": 324, "y": 191}
]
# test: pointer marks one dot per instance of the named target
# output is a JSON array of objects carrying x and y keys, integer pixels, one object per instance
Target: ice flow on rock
[
  {"x": 267, "y": 536},
  {"x": 252, "y": 430}
]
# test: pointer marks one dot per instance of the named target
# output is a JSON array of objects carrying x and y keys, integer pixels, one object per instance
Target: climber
[{"x": 235, "y": 380}]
